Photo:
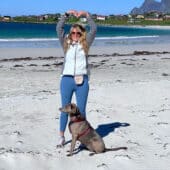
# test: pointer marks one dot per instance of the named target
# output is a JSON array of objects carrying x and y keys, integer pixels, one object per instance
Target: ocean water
[{"x": 26, "y": 35}]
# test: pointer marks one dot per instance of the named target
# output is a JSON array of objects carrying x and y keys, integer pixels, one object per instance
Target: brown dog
[{"x": 81, "y": 130}]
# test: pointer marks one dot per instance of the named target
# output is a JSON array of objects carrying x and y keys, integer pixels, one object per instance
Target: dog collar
[
  {"x": 77, "y": 120},
  {"x": 85, "y": 132}
]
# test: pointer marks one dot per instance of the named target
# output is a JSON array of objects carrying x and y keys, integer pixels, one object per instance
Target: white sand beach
[{"x": 128, "y": 104}]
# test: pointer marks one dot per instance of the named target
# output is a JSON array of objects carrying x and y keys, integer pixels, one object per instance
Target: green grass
[{"x": 111, "y": 21}]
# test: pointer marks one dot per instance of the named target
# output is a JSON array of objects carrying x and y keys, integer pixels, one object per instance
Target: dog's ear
[
  {"x": 73, "y": 108},
  {"x": 73, "y": 105},
  {"x": 77, "y": 111}
]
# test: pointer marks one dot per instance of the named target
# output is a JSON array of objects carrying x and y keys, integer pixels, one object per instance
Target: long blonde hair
[{"x": 82, "y": 40}]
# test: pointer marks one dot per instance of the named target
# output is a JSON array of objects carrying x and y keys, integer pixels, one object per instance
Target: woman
[{"x": 75, "y": 68}]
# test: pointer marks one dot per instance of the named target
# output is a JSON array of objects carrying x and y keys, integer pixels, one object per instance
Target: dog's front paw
[
  {"x": 59, "y": 146},
  {"x": 91, "y": 154},
  {"x": 69, "y": 154}
]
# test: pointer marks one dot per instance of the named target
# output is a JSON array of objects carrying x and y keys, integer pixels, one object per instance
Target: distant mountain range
[{"x": 153, "y": 5}]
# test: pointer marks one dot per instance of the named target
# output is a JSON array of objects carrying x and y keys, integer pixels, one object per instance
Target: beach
[{"x": 128, "y": 105}]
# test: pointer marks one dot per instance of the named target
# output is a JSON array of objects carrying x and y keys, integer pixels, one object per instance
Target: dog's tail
[
  {"x": 115, "y": 149},
  {"x": 110, "y": 149}
]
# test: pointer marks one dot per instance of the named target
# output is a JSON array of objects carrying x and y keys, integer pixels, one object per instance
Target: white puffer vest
[{"x": 75, "y": 62}]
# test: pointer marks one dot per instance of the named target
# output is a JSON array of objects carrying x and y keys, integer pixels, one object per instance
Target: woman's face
[{"x": 75, "y": 34}]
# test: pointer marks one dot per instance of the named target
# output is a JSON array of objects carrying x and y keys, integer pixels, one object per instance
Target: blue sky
[{"x": 105, "y": 7}]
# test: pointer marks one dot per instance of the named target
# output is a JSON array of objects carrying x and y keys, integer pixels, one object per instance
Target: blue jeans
[{"x": 67, "y": 88}]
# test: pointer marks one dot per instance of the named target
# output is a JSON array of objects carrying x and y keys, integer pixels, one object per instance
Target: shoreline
[
  {"x": 138, "y": 26},
  {"x": 6, "y": 53}
]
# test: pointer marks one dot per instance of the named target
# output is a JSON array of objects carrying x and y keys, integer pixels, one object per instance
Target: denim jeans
[{"x": 67, "y": 88}]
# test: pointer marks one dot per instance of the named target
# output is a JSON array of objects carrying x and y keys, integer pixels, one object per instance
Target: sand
[{"x": 128, "y": 104}]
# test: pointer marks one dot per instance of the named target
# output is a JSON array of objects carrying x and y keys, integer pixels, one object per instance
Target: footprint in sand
[{"x": 120, "y": 157}]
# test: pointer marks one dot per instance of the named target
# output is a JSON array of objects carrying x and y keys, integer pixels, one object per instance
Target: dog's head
[{"x": 71, "y": 109}]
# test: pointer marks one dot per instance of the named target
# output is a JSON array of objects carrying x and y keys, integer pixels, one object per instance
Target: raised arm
[
  {"x": 60, "y": 29},
  {"x": 93, "y": 28},
  {"x": 60, "y": 25}
]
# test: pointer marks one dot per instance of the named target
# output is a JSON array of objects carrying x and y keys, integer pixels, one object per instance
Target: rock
[{"x": 152, "y": 5}]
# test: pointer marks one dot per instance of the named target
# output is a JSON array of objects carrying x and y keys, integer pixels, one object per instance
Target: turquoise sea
[{"x": 26, "y": 35}]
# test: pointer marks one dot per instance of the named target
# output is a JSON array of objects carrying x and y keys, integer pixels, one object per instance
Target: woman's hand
[
  {"x": 82, "y": 13},
  {"x": 72, "y": 12},
  {"x": 78, "y": 14}
]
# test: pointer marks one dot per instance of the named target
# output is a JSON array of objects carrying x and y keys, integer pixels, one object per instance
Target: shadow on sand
[{"x": 104, "y": 129}]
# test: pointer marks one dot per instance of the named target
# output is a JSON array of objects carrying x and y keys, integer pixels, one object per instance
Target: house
[
  {"x": 6, "y": 18},
  {"x": 140, "y": 17},
  {"x": 83, "y": 19},
  {"x": 154, "y": 19},
  {"x": 43, "y": 17},
  {"x": 46, "y": 16},
  {"x": 167, "y": 17},
  {"x": 101, "y": 18},
  {"x": 154, "y": 16},
  {"x": 135, "y": 19}
]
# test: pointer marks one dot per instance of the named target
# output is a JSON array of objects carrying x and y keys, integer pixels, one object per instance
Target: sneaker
[{"x": 61, "y": 141}]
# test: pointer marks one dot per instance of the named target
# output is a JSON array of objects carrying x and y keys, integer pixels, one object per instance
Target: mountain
[
  {"x": 152, "y": 5},
  {"x": 166, "y": 6}
]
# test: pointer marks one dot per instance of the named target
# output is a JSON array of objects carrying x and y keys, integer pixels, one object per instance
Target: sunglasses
[{"x": 76, "y": 33}]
